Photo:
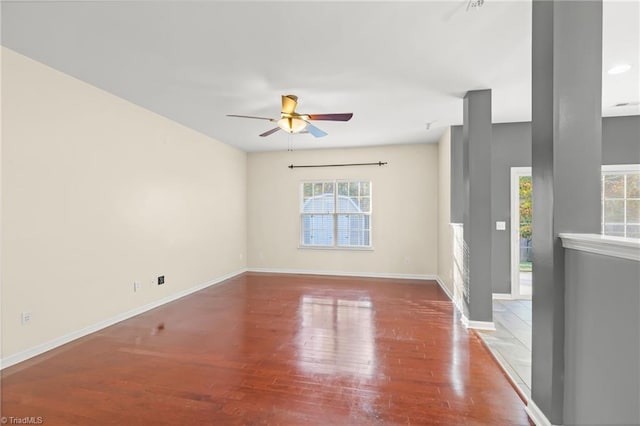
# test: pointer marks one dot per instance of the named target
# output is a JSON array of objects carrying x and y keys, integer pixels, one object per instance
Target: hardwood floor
[{"x": 275, "y": 349}]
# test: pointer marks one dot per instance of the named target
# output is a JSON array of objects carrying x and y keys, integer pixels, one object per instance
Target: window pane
[
  {"x": 614, "y": 186},
  {"x": 614, "y": 211},
  {"x": 615, "y": 229},
  {"x": 307, "y": 190},
  {"x": 365, "y": 204},
  {"x": 365, "y": 189},
  {"x": 621, "y": 204},
  {"x": 353, "y": 203},
  {"x": 343, "y": 230},
  {"x": 322, "y": 199},
  {"x": 633, "y": 231},
  {"x": 317, "y": 229},
  {"x": 348, "y": 204},
  {"x": 319, "y": 204},
  {"x": 327, "y": 197},
  {"x": 353, "y": 189},
  {"x": 633, "y": 211},
  {"x": 633, "y": 185},
  {"x": 353, "y": 230}
]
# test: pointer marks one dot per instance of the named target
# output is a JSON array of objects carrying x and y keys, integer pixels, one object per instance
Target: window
[
  {"x": 621, "y": 201},
  {"x": 336, "y": 214}
]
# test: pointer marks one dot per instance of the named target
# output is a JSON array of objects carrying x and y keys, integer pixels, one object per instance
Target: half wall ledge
[{"x": 624, "y": 248}]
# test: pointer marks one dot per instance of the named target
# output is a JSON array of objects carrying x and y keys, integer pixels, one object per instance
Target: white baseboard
[
  {"x": 502, "y": 296},
  {"x": 345, "y": 274},
  {"x": 444, "y": 288},
  {"x": 435, "y": 278},
  {"x": 52, "y": 344},
  {"x": 537, "y": 415},
  {"x": 478, "y": 325},
  {"x": 458, "y": 306}
]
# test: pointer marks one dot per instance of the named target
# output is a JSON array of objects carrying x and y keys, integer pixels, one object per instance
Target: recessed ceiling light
[{"x": 619, "y": 69}]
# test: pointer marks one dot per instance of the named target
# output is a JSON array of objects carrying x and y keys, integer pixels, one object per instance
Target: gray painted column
[
  {"x": 476, "y": 135},
  {"x": 457, "y": 179},
  {"x": 566, "y": 159}
]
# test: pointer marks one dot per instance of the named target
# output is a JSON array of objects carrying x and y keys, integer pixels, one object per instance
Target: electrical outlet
[
  {"x": 26, "y": 318},
  {"x": 136, "y": 286},
  {"x": 161, "y": 280}
]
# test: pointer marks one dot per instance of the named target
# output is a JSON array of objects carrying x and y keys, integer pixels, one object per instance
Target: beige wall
[
  {"x": 98, "y": 193},
  {"x": 445, "y": 235},
  {"x": 404, "y": 218}
]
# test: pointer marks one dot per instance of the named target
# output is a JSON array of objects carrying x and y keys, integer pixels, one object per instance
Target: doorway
[{"x": 521, "y": 250}]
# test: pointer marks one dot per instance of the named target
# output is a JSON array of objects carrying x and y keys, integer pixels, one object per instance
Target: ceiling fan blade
[
  {"x": 251, "y": 116},
  {"x": 331, "y": 117},
  {"x": 315, "y": 131},
  {"x": 289, "y": 103},
  {"x": 270, "y": 132}
]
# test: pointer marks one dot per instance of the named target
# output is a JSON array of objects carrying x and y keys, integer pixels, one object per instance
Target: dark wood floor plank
[{"x": 275, "y": 349}]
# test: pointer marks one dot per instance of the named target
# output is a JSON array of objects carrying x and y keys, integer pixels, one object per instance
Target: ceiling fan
[{"x": 292, "y": 122}]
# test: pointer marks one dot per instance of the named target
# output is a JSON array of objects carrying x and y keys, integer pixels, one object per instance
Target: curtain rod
[{"x": 379, "y": 163}]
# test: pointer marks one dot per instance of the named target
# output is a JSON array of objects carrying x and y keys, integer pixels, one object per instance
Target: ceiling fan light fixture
[{"x": 292, "y": 124}]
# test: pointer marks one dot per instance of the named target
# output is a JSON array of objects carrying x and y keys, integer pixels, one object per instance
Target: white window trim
[
  {"x": 303, "y": 246},
  {"x": 618, "y": 168}
]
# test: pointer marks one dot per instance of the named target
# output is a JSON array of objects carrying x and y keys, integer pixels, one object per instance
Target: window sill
[{"x": 300, "y": 247}]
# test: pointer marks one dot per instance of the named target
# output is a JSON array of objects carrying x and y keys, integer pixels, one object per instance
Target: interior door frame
[{"x": 516, "y": 174}]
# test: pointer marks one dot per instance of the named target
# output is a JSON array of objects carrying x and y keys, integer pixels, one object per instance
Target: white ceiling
[{"x": 396, "y": 65}]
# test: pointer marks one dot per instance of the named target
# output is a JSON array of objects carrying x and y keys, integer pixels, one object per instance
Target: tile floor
[{"x": 511, "y": 342}]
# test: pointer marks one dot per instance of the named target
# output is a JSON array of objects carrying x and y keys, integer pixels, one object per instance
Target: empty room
[{"x": 312, "y": 213}]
